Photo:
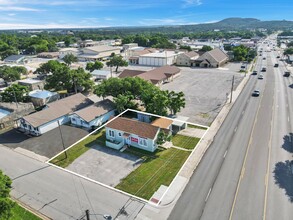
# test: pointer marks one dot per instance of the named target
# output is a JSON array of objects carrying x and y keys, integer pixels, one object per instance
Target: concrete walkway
[{"x": 193, "y": 132}]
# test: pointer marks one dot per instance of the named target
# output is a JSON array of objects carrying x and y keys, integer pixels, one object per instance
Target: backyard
[{"x": 185, "y": 142}]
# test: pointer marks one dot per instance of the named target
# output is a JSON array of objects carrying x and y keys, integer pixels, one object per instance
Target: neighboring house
[
  {"x": 161, "y": 75},
  {"x": 56, "y": 113},
  {"x": 185, "y": 59},
  {"x": 66, "y": 51},
  {"x": 124, "y": 131},
  {"x": 60, "y": 44},
  {"x": 32, "y": 84},
  {"x": 156, "y": 76},
  {"x": 15, "y": 59},
  {"x": 101, "y": 74},
  {"x": 48, "y": 55},
  {"x": 214, "y": 58},
  {"x": 97, "y": 52},
  {"x": 42, "y": 97},
  {"x": 130, "y": 73},
  {"x": 94, "y": 115},
  {"x": 160, "y": 58}
]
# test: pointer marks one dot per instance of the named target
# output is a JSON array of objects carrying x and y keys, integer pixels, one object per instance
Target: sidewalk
[{"x": 175, "y": 189}]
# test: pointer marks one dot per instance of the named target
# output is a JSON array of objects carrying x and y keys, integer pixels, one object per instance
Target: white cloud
[
  {"x": 191, "y": 3},
  {"x": 163, "y": 21},
  {"x": 11, "y": 14},
  {"x": 13, "y": 8},
  {"x": 13, "y": 26}
]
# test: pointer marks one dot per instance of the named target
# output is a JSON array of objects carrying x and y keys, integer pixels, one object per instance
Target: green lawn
[
  {"x": 19, "y": 213},
  {"x": 185, "y": 141},
  {"x": 158, "y": 169},
  {"x": 80, "y": 148},
  {"x": 196, "y": 126}
]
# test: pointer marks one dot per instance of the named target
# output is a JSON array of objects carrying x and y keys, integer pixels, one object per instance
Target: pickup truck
[{"x": 286, "y": 74}]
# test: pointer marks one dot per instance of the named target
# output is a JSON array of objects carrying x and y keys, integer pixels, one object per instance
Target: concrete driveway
[
  {"x": 47, "y": 145},
  {"x": 105, "y": 165}
]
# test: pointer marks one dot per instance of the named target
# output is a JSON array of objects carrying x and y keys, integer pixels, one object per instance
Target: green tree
[
  {"x": 15, "y": 93},
  {"x": 188, "y": 48},
  {"x": 116, "y": 61},
  {"x": 288, "y": 51},
  {"x": 69, "y": 59},
  {"x": 81, "y": 80},
  {"x": 49, "y": 67},
  {"x": 10, "y": 73},
  {"x": 94, "y": 66},
  {"x": 206, "y": 48},
  {"x": 124, "y": 102},
  {"x": 176, "y": 101},
  {"x": 6, "y": 204}
]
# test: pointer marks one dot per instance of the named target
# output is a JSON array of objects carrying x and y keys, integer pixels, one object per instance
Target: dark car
[
  {"x": 255, "y": 93},
  {"x": 286, "y": 74},
  {"x": 254, "y": 72},
  {"x": 260, "y": 77},
  {"x": 264, "y": 69},
  {"x": 276, "y": 65}
]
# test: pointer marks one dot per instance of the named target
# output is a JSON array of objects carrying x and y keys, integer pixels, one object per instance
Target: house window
[
  {"x": 119, "y": 134},
  {"x": 73, "y": 119},
  {"x": 111, "y": 133},
  {"x": 143, "y": 142}
]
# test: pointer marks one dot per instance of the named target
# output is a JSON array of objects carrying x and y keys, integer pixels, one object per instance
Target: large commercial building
[{"x": 161, "y": 58}]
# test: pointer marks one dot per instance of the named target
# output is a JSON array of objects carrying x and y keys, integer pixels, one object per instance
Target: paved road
[
  {"x": 235, "y": 179},
  {"x": 58, "y": 194}
]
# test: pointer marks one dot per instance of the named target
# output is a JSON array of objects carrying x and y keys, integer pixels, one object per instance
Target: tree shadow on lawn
[
  {"x": 283, "y": 175},
  {"x": 288, "y": 143}
]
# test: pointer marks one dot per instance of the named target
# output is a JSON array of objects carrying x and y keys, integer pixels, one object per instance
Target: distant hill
[{"x": 228, "y": 24}]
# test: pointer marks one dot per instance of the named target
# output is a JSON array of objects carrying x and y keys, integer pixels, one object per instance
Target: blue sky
[{"x": 103, "y": 13}]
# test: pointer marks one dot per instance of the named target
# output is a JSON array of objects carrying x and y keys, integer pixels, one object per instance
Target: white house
[
  {"x": 94, "y": 115},
  {"x": 15, "y": 59},
  {"x": 56, "y": 113},
  {"x": 124, "y": 131},
  {"x": 160, "y": 58},
  {"x": 101, "y": 74}
]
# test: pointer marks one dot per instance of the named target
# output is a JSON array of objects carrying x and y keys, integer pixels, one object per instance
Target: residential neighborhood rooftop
[
  {"x": 162, "y": 122},
  {"x": 98, "y": 109},
  {"x": 132, "y": 126}
]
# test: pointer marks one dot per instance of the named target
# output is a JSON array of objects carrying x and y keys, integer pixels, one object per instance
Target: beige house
[
  {"x": 214, "y": 58},
  {"x": 97, "y": 52},
  {"x": 185, "y": 59}
]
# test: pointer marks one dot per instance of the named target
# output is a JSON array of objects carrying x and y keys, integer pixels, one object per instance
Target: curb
[{"x": 30, "y": 209}]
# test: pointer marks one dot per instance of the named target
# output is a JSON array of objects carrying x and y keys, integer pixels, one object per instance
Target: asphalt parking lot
[
  {"x": 105, "y": 165},
  {"x": 47, "y": 145},
  {"x": 206, "y": 90}
]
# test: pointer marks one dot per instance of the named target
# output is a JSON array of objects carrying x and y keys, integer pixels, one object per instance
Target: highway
[{"x": 236, "y": 178}]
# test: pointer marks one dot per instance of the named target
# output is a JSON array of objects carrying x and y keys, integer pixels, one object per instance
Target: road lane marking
[
  {"x": 225, "y": 153},
  {"x": 243, "y": 112},
  {"x": 235, "y": 129},
  {"x": 268, "y": 164},
  {"x": 288, "y": 119},
  {"x": 208, "y": 195},
  {"x": 245, "y": 158}
]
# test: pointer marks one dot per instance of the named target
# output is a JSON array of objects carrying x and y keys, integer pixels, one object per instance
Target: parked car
[
  {"x": 255, "y": 93},
  {"x": 286, "y": 74}
]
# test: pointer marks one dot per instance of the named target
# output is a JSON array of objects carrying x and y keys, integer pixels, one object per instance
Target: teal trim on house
[{"x": 118, "y": 138}]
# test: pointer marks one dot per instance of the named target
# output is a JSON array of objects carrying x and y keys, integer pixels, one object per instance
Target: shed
[
  {"x": 43, "y": 97},
  {"x": 101, "y": 74}
]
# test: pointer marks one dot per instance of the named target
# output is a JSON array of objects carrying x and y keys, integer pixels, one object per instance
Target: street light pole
[
  {"x": 232, "y": 89},
  {"x": 62, "y": 139}
]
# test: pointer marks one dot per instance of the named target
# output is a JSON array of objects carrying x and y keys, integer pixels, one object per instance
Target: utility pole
[
  {"x": 87, "y": 214},
  {"x": 62, "y": 139},
  {"x": 232, "y": 89}
]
